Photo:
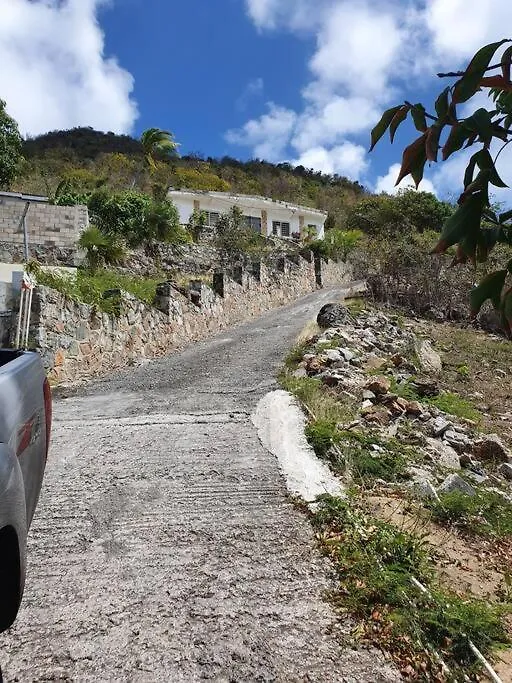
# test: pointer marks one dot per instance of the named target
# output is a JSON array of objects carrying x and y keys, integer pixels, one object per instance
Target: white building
[{"x": 266, "y": 216}]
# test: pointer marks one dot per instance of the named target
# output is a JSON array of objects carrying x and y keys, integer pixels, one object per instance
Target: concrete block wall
[
  {"x": 76, "y": 341},
  {"x": 53, "y": 228}
]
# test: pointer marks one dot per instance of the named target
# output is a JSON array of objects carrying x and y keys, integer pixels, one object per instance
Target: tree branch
[{"x": 456, "y": 74}]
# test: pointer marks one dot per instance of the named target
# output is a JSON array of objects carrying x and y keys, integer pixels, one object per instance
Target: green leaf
[
  {"x": 504, "y": 217},
  {"x": 490, "y": 288},
  {"x": 418, "y": 116},
  {"x": 470, "y": 170},
  {"x": 485, "y": 163},
  {"x": 398, "y": 118},
  {"x": 468, "y": 85},
  {"x": 481, "y": 123},
  {"x": 466, "y": 220},
  {"x": 458, "y": 136},
  {"x": 383, "y": 125},
  {"x": 506, "y": 309},
  {"x": 443, "y": 104}
]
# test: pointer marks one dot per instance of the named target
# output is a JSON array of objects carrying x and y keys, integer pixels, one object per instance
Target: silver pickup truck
[{"x": 25, "y": 422}]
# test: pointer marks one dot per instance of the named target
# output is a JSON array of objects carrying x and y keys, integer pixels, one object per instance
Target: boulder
[
  {"x": 458, "y": 440},
  {"x": 373, "y": 362},
  {"x": 333, "y": 315},
  {"x": 506, "y": 470},
  {"x": 379, "y": 385},
  {"x": 414, "y": 408},
  {"x": 332, "y": 355},
  {"x": 429, "y": 360},
  {"x": 444, "y": 455},
  {"x": 491, "y": 447},
  {"x": 456, "y": 483},
  {"x": 440, "y": 425},
  {"x": 423, "y": 489},
  {"x": 425, "y": 387}
]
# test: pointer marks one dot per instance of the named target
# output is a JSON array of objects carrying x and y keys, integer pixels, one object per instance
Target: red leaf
[
  {"x": 415, "y": 155},
  {"x": 496, "y": 82}
]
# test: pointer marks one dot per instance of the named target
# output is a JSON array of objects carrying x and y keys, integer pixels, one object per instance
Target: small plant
[
  {"x": 322, "y": 435},
  {"x": 295, "y": 356},
  {"x": 463, "y": 371},
  {"x": 485, "y": 514},
  {"x": 323, "y": 404}
]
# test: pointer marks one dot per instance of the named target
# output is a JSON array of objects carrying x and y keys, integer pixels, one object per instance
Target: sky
[{"x": 302, "y": 81}]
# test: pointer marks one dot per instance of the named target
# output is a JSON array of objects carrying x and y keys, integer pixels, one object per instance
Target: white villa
[{"x": 264, "y": 215}]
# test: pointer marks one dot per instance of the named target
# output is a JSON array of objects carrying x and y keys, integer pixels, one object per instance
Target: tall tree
[
  {"x": 10, "y": 148},
  {"x": 474, "y": 227}
]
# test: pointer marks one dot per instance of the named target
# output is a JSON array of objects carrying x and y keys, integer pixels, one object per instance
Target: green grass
[
  {"x": 295, "y": 356},
  {"x": 455, "y": 404},
  {"x": 484, "y": 514},
  {"x": 324, "y": 405},
  {"x": 89, "y": 288},
  {"x": 374, "y": 562},
  {"x": 447, "y": 401}
]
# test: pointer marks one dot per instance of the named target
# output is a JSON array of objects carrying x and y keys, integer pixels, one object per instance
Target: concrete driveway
[{"x": 165, "y": 547}]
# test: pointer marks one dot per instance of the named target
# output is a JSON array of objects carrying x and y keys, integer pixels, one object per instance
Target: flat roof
[
  {"x": 255, "y": 198},
  {"x": 25, "y": 197}
]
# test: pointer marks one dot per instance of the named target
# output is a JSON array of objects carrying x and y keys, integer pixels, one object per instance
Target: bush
[{"x": 101, "y": 249}]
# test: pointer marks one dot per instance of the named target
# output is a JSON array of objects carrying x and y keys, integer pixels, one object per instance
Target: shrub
[
  {"x": 101, "y": 249},
  {"x": 486, "y": 513}
]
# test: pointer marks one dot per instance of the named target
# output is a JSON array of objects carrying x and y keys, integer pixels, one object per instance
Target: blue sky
[{"x": 296, "y": 80}]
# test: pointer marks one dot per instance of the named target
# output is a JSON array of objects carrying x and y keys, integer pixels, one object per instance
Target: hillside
[{"x": 89, "y": 158}]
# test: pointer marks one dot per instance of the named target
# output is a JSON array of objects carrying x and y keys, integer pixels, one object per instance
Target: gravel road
[{"x": 164, "y": 547}]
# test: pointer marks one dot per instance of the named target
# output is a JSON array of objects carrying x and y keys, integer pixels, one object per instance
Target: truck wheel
[{"x": 10, "y": 578}]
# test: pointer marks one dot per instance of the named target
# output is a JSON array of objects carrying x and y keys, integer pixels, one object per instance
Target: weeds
[
  {"x": 486, "y": 513},
  {"x": 322, "y": 435},
  {"x": 374, "y": 563},
  {"x": 295, "y": 356},
  {"x": 323, "y": 404},
  {"x": 88, "y": 288}
]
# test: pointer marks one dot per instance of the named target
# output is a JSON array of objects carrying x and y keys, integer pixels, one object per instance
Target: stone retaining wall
[{"x": 76, "y": 341}]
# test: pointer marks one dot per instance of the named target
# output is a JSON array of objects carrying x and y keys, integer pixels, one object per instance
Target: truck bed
[{"x": 8, "y": 355}]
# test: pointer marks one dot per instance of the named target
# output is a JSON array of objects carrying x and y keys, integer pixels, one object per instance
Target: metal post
[{"x": 18, "y": 329}]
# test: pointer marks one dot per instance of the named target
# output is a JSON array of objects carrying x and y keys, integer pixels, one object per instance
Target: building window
[
  {"x": 211, "y": 218},
  {"x": 281, "y": 228},
  {"x": 253, "y": 223}
]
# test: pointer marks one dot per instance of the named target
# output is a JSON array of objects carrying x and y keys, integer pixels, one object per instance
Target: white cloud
[
  {"x": 54, "y": 71},
  {"x": 367, "y": 56},
  {"x": 341, "y": 116},
  {"x": 475, "y": 24},
  {"x": 356, "y": 48},
  {"x": 269, "y": 135},
  {"x": 253, "y": 89},
  {"x": 387, "y": 182},
  {"x": 347, "y": 159}
]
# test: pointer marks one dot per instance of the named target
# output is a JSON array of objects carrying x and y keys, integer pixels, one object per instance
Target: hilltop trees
[
  {"x": 475, "y": 228},
  {"x": 11, "y": 144}
]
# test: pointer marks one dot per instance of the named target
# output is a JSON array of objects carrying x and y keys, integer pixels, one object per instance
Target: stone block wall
[
  {"x": 53, "y": 231},
  {"x": 76, "y": 341}
]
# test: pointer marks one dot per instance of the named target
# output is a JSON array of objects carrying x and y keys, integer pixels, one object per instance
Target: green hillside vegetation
[{"x": 88, "y": 159}]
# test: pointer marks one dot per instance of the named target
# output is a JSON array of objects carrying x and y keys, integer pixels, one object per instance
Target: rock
[
  {"x": 373, "y": 362},
  {"x": 314, "y": 366},
  {"x": 330, "y": 380},
  {"x": 456, "y": 483},
  {"x": 332, "y": 355},
  {"x": 377, "y": 415},
  {"x": 440, "y": 425},
  {"x": 368, "y": 395},
  {"x": 505, "y": 470},
  {"x": 458, "y": 440},
  {"x": 425, "y": 387},
  {"x": 300, "y": 372},
  {"x": 379, "y": 385},
  {"x": 347, "y": 354},
  {"x": 491, "y": 447},
  {"x": 423, "y": 489},
  {"x": 445, "y": 455},
  {"x": 366, "y": 404},
  {"x": 332, "y": 315},
  {"x": 466, "y": 460},
  {"x": 414, "y": 408},
  {"x": 398, "y": 360},
  {"x": 429, "y": 360}
]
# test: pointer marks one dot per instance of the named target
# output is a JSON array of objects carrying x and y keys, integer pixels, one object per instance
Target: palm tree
[{"x": 155, "y": 142}]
